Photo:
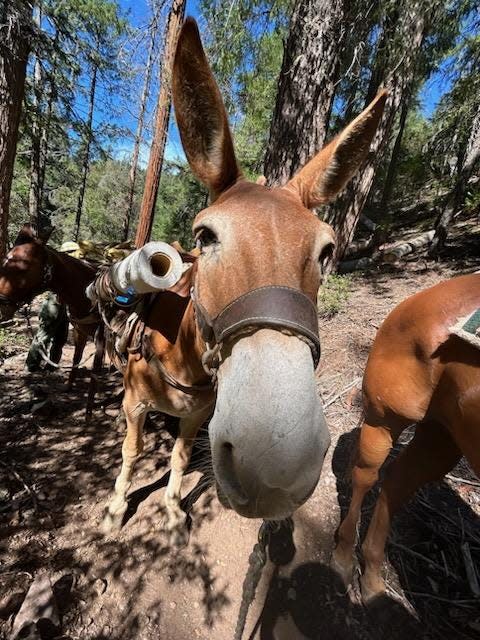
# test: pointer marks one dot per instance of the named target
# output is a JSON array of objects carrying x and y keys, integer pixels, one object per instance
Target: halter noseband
[{"x": 276, "y": 307}]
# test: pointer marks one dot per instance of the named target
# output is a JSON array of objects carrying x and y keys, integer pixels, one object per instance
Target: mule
[
  {"x": 417, "y": 372},
  {"x": 31, "y": 267},
  {"x": 251, "y": 319}
]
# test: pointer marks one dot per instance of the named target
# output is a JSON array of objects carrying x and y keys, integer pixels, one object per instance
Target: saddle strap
[{"x": 159, "y": 368}]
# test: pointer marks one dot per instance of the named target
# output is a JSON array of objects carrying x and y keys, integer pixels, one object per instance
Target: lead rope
[{"x": 256, "y": 562}]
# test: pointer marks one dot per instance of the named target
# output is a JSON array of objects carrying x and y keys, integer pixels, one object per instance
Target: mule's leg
[
  {"x": 181, "y": 454},
  {"x": 135, "y": 414},
  {"x": 428, "y": 457},
  {"x": 373, "y": 447},
  {"x": 80, "y": 340}
]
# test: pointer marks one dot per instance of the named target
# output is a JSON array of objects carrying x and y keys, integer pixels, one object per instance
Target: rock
[
  {"x": 100, "y": 586},
  {"x": 38, "y": 615}
]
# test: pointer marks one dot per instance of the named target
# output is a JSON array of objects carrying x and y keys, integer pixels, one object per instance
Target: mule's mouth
[{"x": 271, "y": 504}]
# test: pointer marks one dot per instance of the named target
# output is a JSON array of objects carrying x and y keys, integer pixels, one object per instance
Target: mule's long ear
[
  {"x": 27, "y": 233},
  {"x": 201, "y": 115},
  {"x": 329, "y": 171}
]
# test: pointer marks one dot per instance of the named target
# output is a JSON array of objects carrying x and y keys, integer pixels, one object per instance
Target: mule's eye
[
  {"x": 205, "y": 237},
  {"x": 326, "y": 255}
]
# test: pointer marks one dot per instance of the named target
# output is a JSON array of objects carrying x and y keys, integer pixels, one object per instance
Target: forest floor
[{"x": 57, "y": 472}]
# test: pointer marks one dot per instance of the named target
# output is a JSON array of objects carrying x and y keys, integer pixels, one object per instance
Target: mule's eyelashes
[{"x": 205, "y": 237}]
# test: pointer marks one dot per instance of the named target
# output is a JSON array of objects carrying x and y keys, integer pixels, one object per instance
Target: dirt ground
[{"x": 56, "y": 473}]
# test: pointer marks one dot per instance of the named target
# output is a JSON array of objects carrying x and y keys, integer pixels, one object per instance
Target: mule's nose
[
  {"x": 260, "y": 487},
  {"x": 268, "y": 433}
]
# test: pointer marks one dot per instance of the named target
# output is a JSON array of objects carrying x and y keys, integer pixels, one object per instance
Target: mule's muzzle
[{"x": 268, "y": 433}]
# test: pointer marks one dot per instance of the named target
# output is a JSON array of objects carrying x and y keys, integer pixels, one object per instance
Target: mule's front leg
[
  {"x": 181, "y": 454},
  {"x": 135, "y": 414}
]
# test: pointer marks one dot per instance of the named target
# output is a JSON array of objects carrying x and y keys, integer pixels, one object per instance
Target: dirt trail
[{"x": 57, "y": 473}]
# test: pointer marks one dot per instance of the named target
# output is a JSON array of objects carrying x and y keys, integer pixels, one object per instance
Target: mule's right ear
[
  {"x": 329, "y": 171},
  {"x": 201, "y": 116}
]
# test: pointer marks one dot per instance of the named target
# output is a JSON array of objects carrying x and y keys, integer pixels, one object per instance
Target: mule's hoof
[
  {"x": 342, "y": 568},
  {"x": 111, "y": 522}
]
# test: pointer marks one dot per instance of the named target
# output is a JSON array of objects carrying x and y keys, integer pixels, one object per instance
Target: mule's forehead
[{"x": 256, "y": 208}]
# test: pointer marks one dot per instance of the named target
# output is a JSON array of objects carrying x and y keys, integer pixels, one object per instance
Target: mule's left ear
[
  {"x": 201, "y": 116},
  {"x": 329, "y": 171},
  {"x": 27, "y": 233}
]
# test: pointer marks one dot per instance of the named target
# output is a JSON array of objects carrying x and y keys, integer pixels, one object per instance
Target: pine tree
[
  {"x": 15, "y": 35},
  {"x": 155, "y": 162}
]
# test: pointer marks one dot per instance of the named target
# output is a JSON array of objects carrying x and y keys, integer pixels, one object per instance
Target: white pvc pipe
[{"x": 154, "y": 267}]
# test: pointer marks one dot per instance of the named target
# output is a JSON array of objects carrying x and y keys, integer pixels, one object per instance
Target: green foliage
[
  {"x": 413, "y": 168},
  {"x": 472, "y": 200},
  {"x": 333, "y": 295},
  {"x": 246, "y": 50},
  {"x": 245, "y": 42},
  {"x": 180, "y": 198}
]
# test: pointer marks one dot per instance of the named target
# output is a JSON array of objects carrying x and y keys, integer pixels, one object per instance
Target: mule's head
[
  {"x": 268, "y": 434},
  {"x": 22, "y": 272}
]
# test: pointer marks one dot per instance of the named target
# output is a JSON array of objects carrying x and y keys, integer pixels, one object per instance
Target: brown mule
[
  {"x": 417, "y": 372},
  {"x": 251, "y": 319},
  {"x": 32, "y": 267}
]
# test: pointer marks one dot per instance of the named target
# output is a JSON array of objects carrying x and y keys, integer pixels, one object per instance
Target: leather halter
[{"x": 276, "y": 307}]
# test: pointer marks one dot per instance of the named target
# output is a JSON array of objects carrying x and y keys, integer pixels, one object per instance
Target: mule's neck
[{"x": 70, "y": 278}]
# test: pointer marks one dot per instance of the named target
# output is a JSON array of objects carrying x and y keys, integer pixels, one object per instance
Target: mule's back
[{"x": 416, "y": 365}]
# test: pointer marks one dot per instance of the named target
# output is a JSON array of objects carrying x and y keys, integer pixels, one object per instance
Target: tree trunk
[
  {"x": 456, "y": 199},
  {"x": 344, "y": 214},
  {"x": 86, "y": 155},
  {"x": 138, "y": 135},
  {"x": 306, "y": 86},
  {"x": 45, "y": 135},
  {"x": 392, "y": 166},
  {"x": 15, "y": 33},
  {"x": 34, "y": 192},
  {"x": 155, "y": 161}
]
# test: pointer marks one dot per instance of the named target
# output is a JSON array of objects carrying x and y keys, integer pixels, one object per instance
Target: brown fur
[{"x": 417, "y": 372}]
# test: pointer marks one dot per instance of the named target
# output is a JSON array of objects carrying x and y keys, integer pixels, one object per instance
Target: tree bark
[
  {"x": 456, "y": 199},
  {"x": 344, "y": 214},
  {"x": 307, "y": 85},
  {"x": 34, "y": 192},
  {"x": 15, "y": 33},
  {"x": 155, "y": 161},
  {"x": 138, "y": 135},
  {"x": 86, "y": 155},
  {"x": 46, "y": 128},
  {"x": 392, "y": 166}
]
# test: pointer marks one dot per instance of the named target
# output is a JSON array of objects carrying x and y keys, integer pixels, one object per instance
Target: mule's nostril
[{"x": 227, "y": 475}]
